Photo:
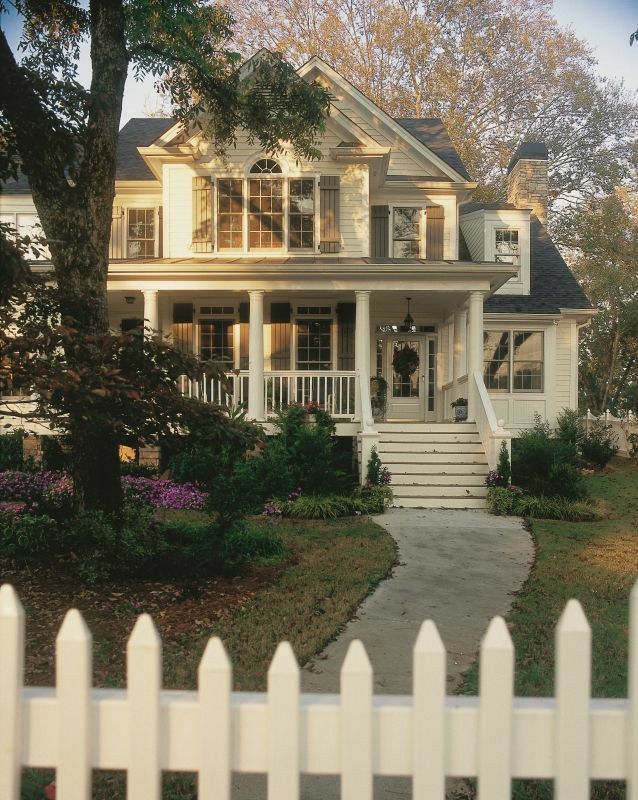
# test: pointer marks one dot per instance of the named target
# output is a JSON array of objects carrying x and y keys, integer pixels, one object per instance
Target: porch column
[
  {"x": 474, "y": 348},
  {"x": 151, "y": 309},
  {"x": 362, "y": 341},
  {"x": 256, "y": 355},
  {"x": 460, "y": 345}
]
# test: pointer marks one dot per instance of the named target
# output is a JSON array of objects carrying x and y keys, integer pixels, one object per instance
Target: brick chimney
[{"x": 527, "y": 185}]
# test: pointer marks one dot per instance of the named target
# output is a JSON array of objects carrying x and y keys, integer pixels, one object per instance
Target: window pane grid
[
  {"x": 302, "y": 213},
  {"x": 513, "y": 361},
  {"x": 141, "y": 232},
  {"x": 266, "y": 219},
  {"x": 216, "y": 340},
  {"x": 314, "y": 345},
  {"x": 506, "y": 247},
  {"x": 230, "y": 213}
]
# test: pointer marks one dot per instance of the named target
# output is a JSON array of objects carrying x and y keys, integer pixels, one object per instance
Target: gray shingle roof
[
  {"x": 138, "y": 132},
  {"x": 553, "y": 285},
  {"x": 433, "y": 134}
]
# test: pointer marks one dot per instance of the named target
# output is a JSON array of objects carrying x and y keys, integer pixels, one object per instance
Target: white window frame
[
  {"x": 510, "y": 330},
  {"x": 140, "y": 207},
  {"x": 285, "y": 176},
  {"x": 516, "y": 257},
  {"x": 422, "y": 225}
]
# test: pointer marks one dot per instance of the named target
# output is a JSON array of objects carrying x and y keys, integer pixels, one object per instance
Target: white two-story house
[{"x": 307, "y": 279}]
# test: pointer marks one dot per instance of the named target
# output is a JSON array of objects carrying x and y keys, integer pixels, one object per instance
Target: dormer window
[{"x": 506, "y": 248}]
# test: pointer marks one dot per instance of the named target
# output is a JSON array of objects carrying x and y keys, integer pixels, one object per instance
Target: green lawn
[{"x": 597, "y": 563}]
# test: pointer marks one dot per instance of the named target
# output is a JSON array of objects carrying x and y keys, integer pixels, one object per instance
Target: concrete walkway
[{"x": 459, "y": 568}]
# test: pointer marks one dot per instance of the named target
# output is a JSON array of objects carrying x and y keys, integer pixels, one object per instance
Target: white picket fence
[
  {"x": 621, "y": 427},
  {"x": 494, "y": 737}
]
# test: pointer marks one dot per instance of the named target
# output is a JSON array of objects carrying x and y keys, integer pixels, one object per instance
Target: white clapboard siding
[{"x": 428, "y": 737}]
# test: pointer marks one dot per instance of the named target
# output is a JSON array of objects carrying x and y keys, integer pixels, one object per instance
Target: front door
[{"x": 406, "y": 388}]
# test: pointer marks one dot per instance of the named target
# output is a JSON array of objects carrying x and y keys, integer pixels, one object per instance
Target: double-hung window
[
  {"x": 314, "y": 338},
  {"x": 406, "y": 232},
  {"x": 513, "y": 361},
  {"x": 301, "y": 213},
  {"x": 506, "y": 248},
  {"x": 140, "y": 233}
]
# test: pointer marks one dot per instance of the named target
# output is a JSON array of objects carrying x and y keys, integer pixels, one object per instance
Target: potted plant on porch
[
  {"x": 460, "y": 409},
  {"x": 378, "y": 397}
]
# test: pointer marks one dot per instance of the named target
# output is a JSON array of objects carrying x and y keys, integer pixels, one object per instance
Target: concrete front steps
[{"x": 434, "y": 465}]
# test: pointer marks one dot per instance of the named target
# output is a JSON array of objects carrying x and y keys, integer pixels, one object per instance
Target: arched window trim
[{"x": 270, "y": 167}]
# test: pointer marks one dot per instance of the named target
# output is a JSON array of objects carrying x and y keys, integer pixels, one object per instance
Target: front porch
[{"x": 335, "y": 349}]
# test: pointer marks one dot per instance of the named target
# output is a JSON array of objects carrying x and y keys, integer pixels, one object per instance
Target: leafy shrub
[
  {"x": 514, "y": 502},
  {"x": 555, "y": 508},
  {"x": 28, "y": 538},
  {"x": 375, "y": 499},
  {"x": 500, "y": 501},
  {"x": 570, "y": 427},
  {"x": 600, "y": 444},
  {"x": 11, "y": 454},
  {"x": 244, "y": 543},
  {"x": 544, "y": 465},
  {"x": 312, "y": 506},
  {"x": 376, "y": 473}
]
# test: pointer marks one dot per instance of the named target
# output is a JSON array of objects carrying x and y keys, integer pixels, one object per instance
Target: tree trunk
[{"x": 76, "y": 219}]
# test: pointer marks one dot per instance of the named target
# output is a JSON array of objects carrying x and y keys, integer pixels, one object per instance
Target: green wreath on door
[{"x": 405, "y": 362}]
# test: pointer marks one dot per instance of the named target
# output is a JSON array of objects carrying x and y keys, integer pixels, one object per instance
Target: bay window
[{"x": 513, "y": 361}]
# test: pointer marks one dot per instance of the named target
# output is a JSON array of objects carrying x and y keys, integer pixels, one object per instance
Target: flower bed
[{"x": 24, "y": 490}]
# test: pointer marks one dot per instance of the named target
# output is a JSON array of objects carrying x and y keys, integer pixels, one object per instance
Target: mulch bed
[{"x": 178, "y": 609}]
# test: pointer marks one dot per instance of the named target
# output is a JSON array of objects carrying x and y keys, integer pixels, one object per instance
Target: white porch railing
[
  {"x": 210, "y": 390},
  {"x": 74, "y": 728},
  {"x": 491, "y": 433},
  {"x": 622, "y": 428},
  {"x": 332, "y": 391}
]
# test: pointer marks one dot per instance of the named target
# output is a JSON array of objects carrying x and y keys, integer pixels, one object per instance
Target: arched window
[{"x": 265, "y": 165}]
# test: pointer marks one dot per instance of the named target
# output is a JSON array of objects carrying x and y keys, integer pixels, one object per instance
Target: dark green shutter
[
  {"x": 346, "y": 315},
  {"x": 435, "y": 218},
  {"x": 202, "y": 215},
  {"x": 379, "y": 231},
  {"x": 280, "y": 336},
  {"x": 244, "y": 319},
  {"x": 182, "y": 328},
  {"x": 330, "y": 232},
  {"x": 116, "y": 244}
]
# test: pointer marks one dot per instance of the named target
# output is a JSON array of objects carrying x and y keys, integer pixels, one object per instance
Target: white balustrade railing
[
  {"x": 144, "y": 729},
  {"x": 211, "y": 390},
  {"x": 492, "y": 434},
  {"x": 334, "y": 392}
]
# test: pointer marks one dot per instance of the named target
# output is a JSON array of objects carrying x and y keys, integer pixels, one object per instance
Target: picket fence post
[
  {"x": 283, "y": 734},
  {"x": 356, "y": 724},
  {"x": 632, "y": 694},
  {"x": 573, "y": 687},
  {"x": 428, "y": 732},
  {"x": 214, "y": 683},
  {"x": 11, "y": 685}
]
